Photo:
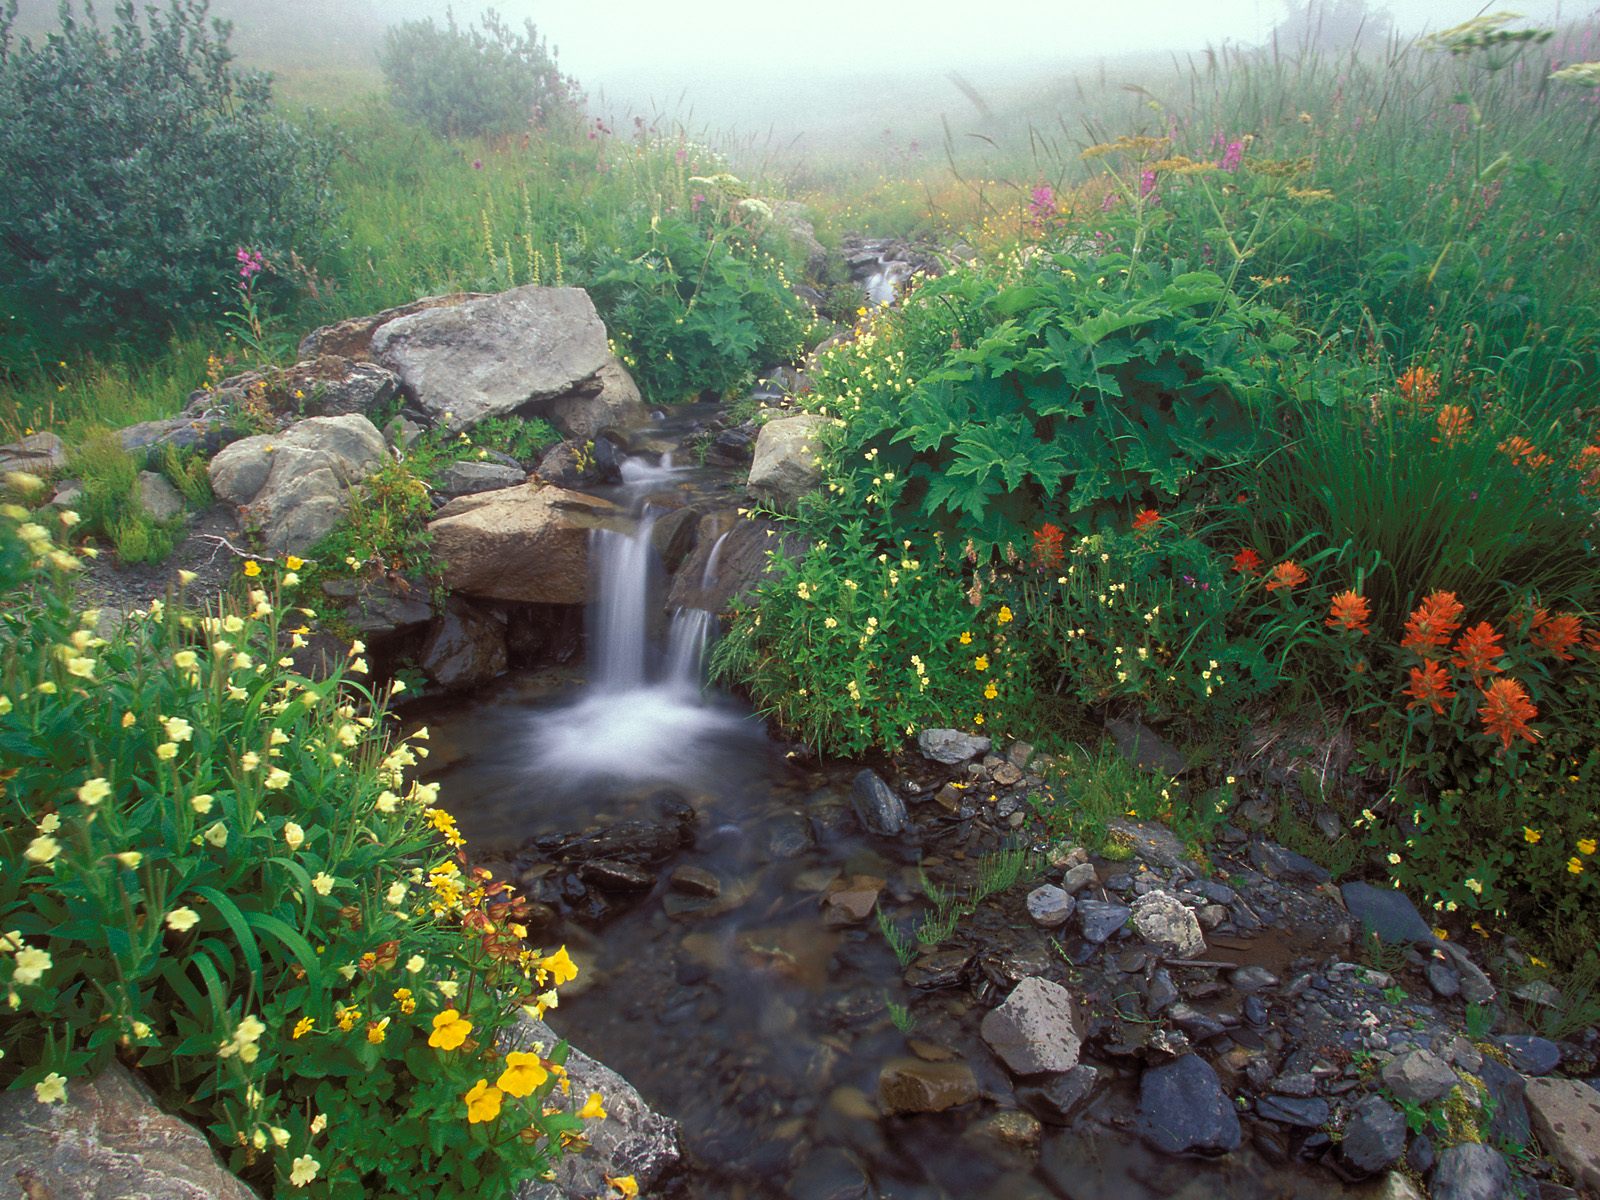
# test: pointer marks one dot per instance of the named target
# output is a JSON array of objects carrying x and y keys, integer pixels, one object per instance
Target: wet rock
[
  {"x": 632, "y": 1140},
  {"x": 374, "y": 606},
  {"x": 877, "y": 805},
  {"x": 622, "y": 841},
  {"x": 576, "y": 465},
  {"x": 616, "y": 876},
  {"x": 36, "y": 454},
  {"x": 1055, "y": 1100},
  {"x": 1182, "y": 1109},
  {"x": 1387, "y": 912},
  {"x": 605, "y": 402},
  {"x": 524, "y": 544},
  {"x": 941, "y": 969},
  {"x": 1566, "y": 1115},
  {"x": 1099, "y": 920},
  {"x": 1034, "y": 1031},
  {"x": 951, "y": 746},
  {"x": 1510, "y": 1124},
  {"x": 1160, "y": 993},
  {"x": 1255, "y": 1010},
  {"x": 1006, "y": 775},
  {"x": 1050, "y": 906},
  {"x": 1151, "y": 843},
  {"x": 909, "y": 1085},
  {"x": 1251, "y": 979},
  {"x": 851, "y": 901},
  {"x": 695, "y": 881},
  {"x": 1009, "y": 1132},
  {"x": 1476, "y": 987},
  {"x": 1196, "y": 1024},
  {"x": 673, "y": 536},
  {"x": 1279, "y": 862},
  {"x": 1421, "y": 1155},
  {"x": 1145, "y": 748},
  {"x": 1303, "y": 1112},
  {"x": 828, "y": 1174},
  {"x": 1445, "y": 983},
  {"x": 789, "y": 835},
  {"x": 107, "y": 1141},
  {"x": 1470, "y": 1171},
  {"x": 1532, "y": 1055},
  {"x": 1419, "y": 1076},
  {"x": 1169, "y": 925},
  {"x": 1078, "y": 877},
  {"x": 466, "y": 646},
  {"x": 469, "y": 477},
  {"x": 1300, "y": 1083},
  {"x": 787, "y": 459},
  {"x": 158, "y": 497}
]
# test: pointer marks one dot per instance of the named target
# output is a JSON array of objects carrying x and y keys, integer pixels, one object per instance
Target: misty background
[{"x": 840, "y": 74}]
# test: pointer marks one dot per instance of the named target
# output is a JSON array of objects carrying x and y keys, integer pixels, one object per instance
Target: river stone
[
  {"x": 951, "y": 746},
  {"x": 1511, "y": 1124},
  {"x": 1049, "y": 906},
  {"x": 851, "y": 901},
  {"x": 1279, "y": 862},
  {"x": 1387, "y": 912},
  {"x": 695, "y": 881},
  {"x": 909, "y": 1085},
  {"x": 106, "y": 1141},
  {"x": 1008, "y": 1132},
  {"x": 632, "y": 1140},
  {"x": 1251, "y": 979},
  {"x": 787, "y": 463},
  {"x": 524, "y": 544},
  {"x": 491, "y": 356},
  {"x": 609, "y": 399},
  {"x": 1442, "y": 978},
  {"x": 611, "y": 876},
  {"x": 466, "y": 646},
  {"x": 1306, "y": 1112},
  {"x": 1169, "y": 925},
  {"x": 294, "y": 487},
  {"x": 469, "y": 477},
  {"x": 1183, "y": 1110},
  {"x": 1078, "y": 877},
  {"x": 828, "y": 1174},
  {"x": 1470, "y": 1171},
  {"x": 1476, "y": 987},
  {"x": 940, "y": 969},
  {"x": 381, "y": 605},
  {"x": 1054, "y": 1100},
  {"x": 1374, "y": 1136},
  {"x": 879, "y": 807},
  {"x": 1566, "y": 1114},
  {"x": 1034, "y": 1030},
  {"x": 673, "y": 536},
  {"x": 1100, "y": 919},
  {"x": 158, "y": 497},
  {"x": 1419, "y": 1076},
  {"x": 1530, "y": 1054}
]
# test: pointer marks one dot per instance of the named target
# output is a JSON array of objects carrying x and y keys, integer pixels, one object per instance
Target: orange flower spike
[
  {"x": 1288, "y": 575},
  {"x": 1419, "y": 384},
  {"x": 1479, "y": 651},
  {"x": 1506, "y": 711},
  {"x": 1430, "y": 685},
  {"x": 1433, "y": 623},
  {"x": 1145, "y": 520},
  {"x": 1453, "y": 420},
  {"x": 1351, "y": 611},
  {"x": 1247, "y": 562},
  {"x": 1556, "y": 635},
  {"x": 1047, "y": 552}
]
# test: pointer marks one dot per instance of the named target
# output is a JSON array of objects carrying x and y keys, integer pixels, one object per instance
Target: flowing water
[{"x": 746, "y": 1017}]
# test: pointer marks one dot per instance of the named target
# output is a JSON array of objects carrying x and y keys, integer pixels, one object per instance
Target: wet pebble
[{"x": 1050, "y": 906}]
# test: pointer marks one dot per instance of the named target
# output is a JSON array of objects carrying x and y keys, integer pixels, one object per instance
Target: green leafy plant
[
  {"x": 900, "y": 1015},
  {"x": 110, "y": 501},
  {"x": 904, "y": 948}
]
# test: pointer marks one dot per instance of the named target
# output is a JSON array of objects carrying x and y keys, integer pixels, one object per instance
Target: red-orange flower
[
  {"x": 1479, "y": 651},
  {"x": 1524, "y": 453},
  {"x": 1146, "y": 518},
  {"x": 1433, "y": 623},
  {"x": 1587, "y": 464},
  {"x": 1047, "y": 546},
  {"x": 1349, "y": 610},
  {"x": 1555, "y": 634},
  {"x": 1419, "y": 384},
  {"x": 1247, "y": 562},
  {"x": 1430, "y": 685},
  {"x": 1453, "y": 420},
  {"x": 1506, "y": 711},
  {"x": 1288, "y": 575}
]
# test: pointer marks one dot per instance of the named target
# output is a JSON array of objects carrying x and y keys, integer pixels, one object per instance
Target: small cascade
[
  {"x": 708, "y": 577},
  {"x": 640, "y": 472}
]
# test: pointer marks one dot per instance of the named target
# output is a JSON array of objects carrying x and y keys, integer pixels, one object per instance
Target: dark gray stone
[
  {"x": 1199, "y": 1025},
  {"x": 471, "y": 476},
  {"x": 1445, "y": 983},
  {"x": 1532, "y": 1055},
  {"x": 1388, "y": 912},
  {"x": 1306, "y": 1112},
  {"x": 1146, "y": 749},
  {"x": 1419, "y": 1076},
  {"x": 1050, "y": 906},
  {"x": 1470, "y": 1171},
  {"x": 1078, "y": 877},
  {"x": 1055, "y": 1100},
  {"x": 1183, "y": 1110},
  {"x": 1251, "y": 979},
  {"x": 1508, "y": 1090},
  {"x": 941, "y": 969},
  {"x": 1282, "y": 863},
  {"x": 466, "y": 647},
  {"x": 877, "y": 805},
  {"x": 951, "y": 746},
  {"x": 1374, "y": 1136},
  {"x": 1100, "y": 919}
]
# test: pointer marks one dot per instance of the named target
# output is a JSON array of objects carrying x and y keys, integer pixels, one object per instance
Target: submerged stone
[
  {"x": 909, "y": 1085},
  {"x": 1183, "y": 1109}
]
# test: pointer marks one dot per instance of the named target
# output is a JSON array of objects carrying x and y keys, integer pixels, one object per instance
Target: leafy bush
[
  {"x": 110, "y": 503},
  {"x": 215, "y": 870},
  {"x": 137, "y": 161},
  {"x": 474, "y": 81}
]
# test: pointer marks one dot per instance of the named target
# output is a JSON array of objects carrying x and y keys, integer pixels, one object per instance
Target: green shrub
[
  {"x": 215, "y": 870},
  {"x": 474, "y": 81},
  {"x": 137, "y": 162}
]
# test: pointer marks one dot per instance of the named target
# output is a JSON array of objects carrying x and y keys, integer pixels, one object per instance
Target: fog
[{"x": 824, "y": 69}]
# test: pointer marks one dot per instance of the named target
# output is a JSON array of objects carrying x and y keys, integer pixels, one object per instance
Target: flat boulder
[
  {"x": 951, "y": 746},
  {"x": 1034, "y": 1032},
  {"x": 1387, "y": 912},
  {"x": 352, "y": 338},
  {"x": 1183, "y": 1109},
  {"x": 524, "y": 544},
  {"x": 37, "y": 454},
  {"x": 294, "y": 487},
  {"x": 107, "y": 1141},
  {"x": 787, "y": 463},
  {"x": 1566, "y": 1114},
  {"x": 492, "y": 356}
]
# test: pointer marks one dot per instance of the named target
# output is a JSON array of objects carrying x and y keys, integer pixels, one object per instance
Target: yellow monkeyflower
[
  {"x": 561, "y": 967},
  {"x": 377, "y": 1031},
  {"x": 594, "y": 1110},
  {"x": 252, "y": 568},
  {"x": 1586, "y": 845},
  {"x": 52, "y": 1089},
  {"x": 483, "y": 1102},
  {"x": 990, "y": 691},
  {"x": 625, "y": 1186},
  {"x": 294, "y": 562},
  {"x": 981, "y": 663},
  {"x": 1531, "y": 836},
  {"x": 1575, "y": 866},
  {"x": 524, "y": 1072},
  {"x": 966, "y": 639},
  {"x": 450, "y": 1029},
  {"x": 1004, "y": 616}
]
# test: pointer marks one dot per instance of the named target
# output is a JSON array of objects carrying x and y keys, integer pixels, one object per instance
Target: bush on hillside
[
  {"x": 137, "y": 162},
  {"x": 471, "y": 82}
]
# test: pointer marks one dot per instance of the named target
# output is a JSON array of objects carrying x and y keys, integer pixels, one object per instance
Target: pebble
[{"x": 1050, "y": 906}]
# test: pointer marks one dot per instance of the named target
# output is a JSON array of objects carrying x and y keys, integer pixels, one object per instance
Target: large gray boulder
[
  {"x": 632, "y": 1140},
  {"x": 494, "y": 355},
  {"x": 295, "y": 486},
  {"x": 1566, "y": 1114},
  {"x": 609, "y": 399},
  {"x": 465, "y": 647},
  {"x": 106, "y": 1141},
  {"x": 1034, "y": 1032},
  {"x": 37, "y": 454},
  {"x": 525, "y": 544},
  {"x": 787, "y": 462}
]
